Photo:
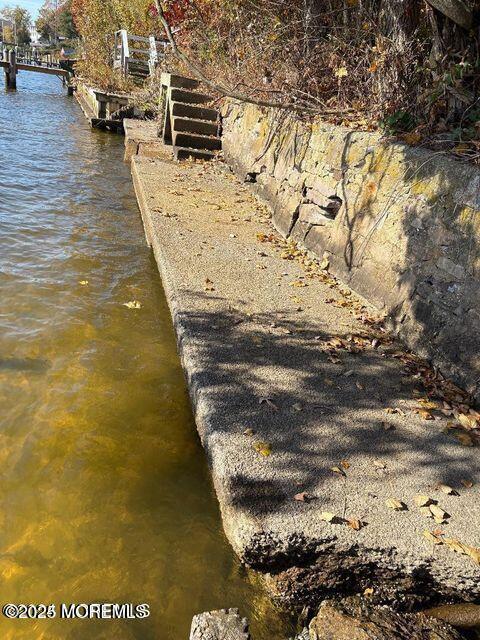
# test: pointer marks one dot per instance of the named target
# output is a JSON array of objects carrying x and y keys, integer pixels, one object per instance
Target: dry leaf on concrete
[
  {"x": 438, "y": 513},
  {"x": 396, "y": 505},
  {"x": 302, "y": 497},
  {"x": 338, "y": 470},
  {"x": 431, "y": 537},
  {"x": 263, "y": 448},
  {"x": 447, "y": 489},
  {"x": 354, "y": 524},
  {"x": 327, "y": 516},
  {"x": 422, "y": 501}
]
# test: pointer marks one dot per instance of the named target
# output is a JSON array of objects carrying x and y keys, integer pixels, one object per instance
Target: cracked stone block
[
  {"x": 224, "y": 624},
  {"x": 312, "y": 214}
]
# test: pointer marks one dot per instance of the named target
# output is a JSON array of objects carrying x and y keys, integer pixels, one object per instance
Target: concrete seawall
[
  {"x": 399, "y": 224},
  {"x": 309, "y": 421}
]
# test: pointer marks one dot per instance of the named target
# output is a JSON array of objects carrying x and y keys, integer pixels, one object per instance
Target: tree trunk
[{"x": 398, "y": 21}]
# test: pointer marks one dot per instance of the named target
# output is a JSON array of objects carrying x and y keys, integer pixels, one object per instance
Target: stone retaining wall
[{"x": 401, "y": 225}]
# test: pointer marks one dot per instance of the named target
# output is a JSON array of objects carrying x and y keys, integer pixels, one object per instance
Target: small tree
[{"x": 22, "y": 22}]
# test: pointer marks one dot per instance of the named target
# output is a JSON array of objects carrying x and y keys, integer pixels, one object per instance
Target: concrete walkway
[{"x": 311, "y": 419}]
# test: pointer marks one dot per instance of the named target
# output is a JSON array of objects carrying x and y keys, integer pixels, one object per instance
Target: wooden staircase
[{"x": 190, "y": 127}]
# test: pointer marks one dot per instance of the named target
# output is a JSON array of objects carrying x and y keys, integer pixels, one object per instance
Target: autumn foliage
[{"x": 400, "y": 63}]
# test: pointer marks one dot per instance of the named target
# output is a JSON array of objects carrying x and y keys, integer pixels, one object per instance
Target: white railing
[{"x": 130, "y": 56}]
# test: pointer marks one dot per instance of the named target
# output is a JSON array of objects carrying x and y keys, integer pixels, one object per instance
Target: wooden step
[
  {"x": 183, "y": 153},
  {"x": 185, "y": 110},
  {"x": 192, "y": 125},
  {"x": 195, "y": 141},
  {"x": 178, "y": 82},
  {"x": 190, "y": 97}
]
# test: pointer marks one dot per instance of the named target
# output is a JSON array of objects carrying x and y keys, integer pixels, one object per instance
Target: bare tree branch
[{"x": 225, "y": 91}]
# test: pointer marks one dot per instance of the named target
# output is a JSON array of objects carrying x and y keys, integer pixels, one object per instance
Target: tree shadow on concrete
[{"x": 254, "y": 375}]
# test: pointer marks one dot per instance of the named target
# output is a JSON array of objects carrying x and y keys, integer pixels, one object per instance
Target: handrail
[{"x": 124, "y": 53}]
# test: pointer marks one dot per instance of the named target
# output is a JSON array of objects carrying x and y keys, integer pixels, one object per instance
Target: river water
[{"x": 105, "y": 495}]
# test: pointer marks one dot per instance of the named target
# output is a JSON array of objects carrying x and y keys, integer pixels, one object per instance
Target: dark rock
[{"x": 355, "y": 619}]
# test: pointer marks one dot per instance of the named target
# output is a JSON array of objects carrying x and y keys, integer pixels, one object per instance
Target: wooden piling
[{"x": 11, "y": 71}]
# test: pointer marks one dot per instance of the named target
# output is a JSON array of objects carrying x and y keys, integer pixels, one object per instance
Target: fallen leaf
[
  {"x": 302, "y": 497},
  {"x": 368, "y": 591},
  {"x": 248, "y": 432},
  {"x": 341, "y": 72},
  {"x": 445, "y": 488},
  {"x": 473, "y": 553},
  {"x": 426, "y": 415},
  {"x": 83, "y": 282},
  {"x": 338, "y": 470},
  {"x": 465, "y": 439},
  {"x": 345, "y": 464},
  {"x": 133, "y": 304},
  {"x": 325, "y": 264},
  {"x": 422, "y": 501},
  {"x": 469, "y": 422},
  {"x": 327, "y": 516},
  {"x": 354, "y": 524},
  {"x": 455, "y": 544},
  {"x": 263, "y": 448},
  {"x": 467, "y": 483},
  {"x": 396, "y": 505},
  {"x": 438, "y": 513},
  {"x": 431, "y": 537}
]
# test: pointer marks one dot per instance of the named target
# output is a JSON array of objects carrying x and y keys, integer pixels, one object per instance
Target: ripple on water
[{"x": 104, "y": 491}]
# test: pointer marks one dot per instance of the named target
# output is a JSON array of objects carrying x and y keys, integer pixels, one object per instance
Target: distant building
[{"x": 34, "y": 36}]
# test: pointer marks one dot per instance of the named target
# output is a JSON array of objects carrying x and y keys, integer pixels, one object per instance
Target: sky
[{"x": 32, "y": 5}]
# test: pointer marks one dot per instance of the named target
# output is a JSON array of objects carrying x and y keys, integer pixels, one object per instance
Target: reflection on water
[{"x": 104, "y": 491}]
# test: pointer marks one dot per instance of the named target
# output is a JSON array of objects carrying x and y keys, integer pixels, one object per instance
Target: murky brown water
[{"x": 105, "y": 494}]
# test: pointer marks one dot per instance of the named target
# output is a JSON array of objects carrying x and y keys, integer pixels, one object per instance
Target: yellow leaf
[
  {"x": 473, "y": 553},
  {"x": 341, "y": 72},
  {"x": 133, "y": 304},
  {"x": 396, "y": 505},
  {"x": 422, "y": 501},
  {"x": 438, "y": 513},
  {"x": 83, "y": 282},
  {"x": 327, "y": 516},
  {"x": 469, "y": 422},
  {"x": 445, "y": 488},
  {"x": 338, "y": 470},
  {"x": 263, "y": 448}
]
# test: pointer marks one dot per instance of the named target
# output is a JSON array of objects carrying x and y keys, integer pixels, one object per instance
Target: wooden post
[{"x": 11, "y": 71}]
